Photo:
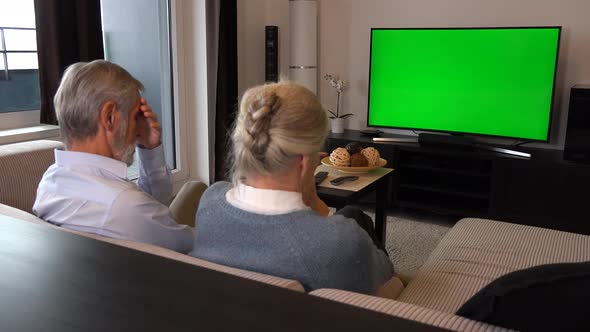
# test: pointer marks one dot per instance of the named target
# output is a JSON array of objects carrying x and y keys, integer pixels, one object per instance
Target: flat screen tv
[{"x": 483, "y": 81}]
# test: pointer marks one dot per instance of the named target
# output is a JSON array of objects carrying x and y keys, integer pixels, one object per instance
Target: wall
[
  {"x": 344, "y": 27},
  {"x": 192, "y": 86},
  {"x": 253, "y": 16}
]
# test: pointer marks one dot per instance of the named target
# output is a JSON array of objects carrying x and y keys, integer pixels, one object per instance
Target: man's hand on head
[{"x": 149, "y": 130}]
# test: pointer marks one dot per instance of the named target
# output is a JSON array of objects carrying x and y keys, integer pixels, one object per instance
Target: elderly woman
[{"x": 270, "y": 219}]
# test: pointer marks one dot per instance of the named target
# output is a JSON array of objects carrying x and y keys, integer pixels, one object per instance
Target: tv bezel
[{"x": 551, "y": 108}]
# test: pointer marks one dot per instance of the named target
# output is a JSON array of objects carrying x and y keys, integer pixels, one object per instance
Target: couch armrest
[{"x": 408, "y": 311}]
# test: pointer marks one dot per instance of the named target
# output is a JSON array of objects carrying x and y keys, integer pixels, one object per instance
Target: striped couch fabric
[
  {"x": 477, "y": 251},
  {"x": 408, "y": 311},
  {"x": 26, "y": 162}
]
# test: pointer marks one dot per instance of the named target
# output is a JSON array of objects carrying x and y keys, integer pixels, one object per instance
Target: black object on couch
[{"x": 553, "y": 297}]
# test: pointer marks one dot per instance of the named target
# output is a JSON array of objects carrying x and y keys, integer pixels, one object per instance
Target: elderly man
[{"x": 103, "y": 121}]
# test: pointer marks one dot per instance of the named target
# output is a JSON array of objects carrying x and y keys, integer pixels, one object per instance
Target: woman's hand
[{"x": 308, "y": 187}]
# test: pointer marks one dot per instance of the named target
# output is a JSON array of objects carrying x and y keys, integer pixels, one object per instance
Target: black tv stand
[
  {"x": 463, "y": 142},
  {"x": 395, "y": 140},
  {"x": 478, "y": 180},
  {"x": 503, "y": 150},
  {"x": 371, "y": 132},
  {"x": 451, "y": 141}
]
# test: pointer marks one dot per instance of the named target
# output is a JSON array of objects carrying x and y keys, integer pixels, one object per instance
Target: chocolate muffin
[
  {"x": 353, "y": 147},
  {"x": 358, "y": 160}
]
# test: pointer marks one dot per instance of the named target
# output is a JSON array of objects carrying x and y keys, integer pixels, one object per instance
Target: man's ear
[{"x": 108, "y": 116}]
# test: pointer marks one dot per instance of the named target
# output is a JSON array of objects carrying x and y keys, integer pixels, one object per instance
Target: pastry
[
  {"x": 353, "y": 148},
  {"x": 372, "y": 156},
  {"x": 358, "y": 160},
  {"x": 340, "y": 157}
]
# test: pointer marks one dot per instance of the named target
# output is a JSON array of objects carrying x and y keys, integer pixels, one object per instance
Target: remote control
[
  {"x": 319, "y": 177},
  {"x": 343, "y": 179}
]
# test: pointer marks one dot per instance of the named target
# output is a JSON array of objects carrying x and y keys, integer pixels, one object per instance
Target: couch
[
  {"x": 22, "y": 165},
  {"x": 472, "y": 254}
]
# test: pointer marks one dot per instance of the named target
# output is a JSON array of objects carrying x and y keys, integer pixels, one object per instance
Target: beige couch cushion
[
  {"x": 186, "y": 203},
  {"x": 477, "y": 251},
  {"x": 22, "y": 165},
  {"x": 408, "y": 311}
]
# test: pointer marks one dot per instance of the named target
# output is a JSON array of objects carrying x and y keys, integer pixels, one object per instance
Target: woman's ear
[{"x": 108, "y": 116}]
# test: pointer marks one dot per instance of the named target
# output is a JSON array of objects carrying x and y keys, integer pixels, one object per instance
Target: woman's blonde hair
[{"x": 276, "y": 122}]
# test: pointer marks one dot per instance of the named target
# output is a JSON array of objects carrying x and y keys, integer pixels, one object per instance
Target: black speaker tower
[
  {"x": 271, "y": 53},
  {"x": 577, "y": 137}
]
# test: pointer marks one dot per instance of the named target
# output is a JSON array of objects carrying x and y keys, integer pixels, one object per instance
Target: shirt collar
[
  {"x": 265, "y": 201},
  {"x": 71, "y": 158}
]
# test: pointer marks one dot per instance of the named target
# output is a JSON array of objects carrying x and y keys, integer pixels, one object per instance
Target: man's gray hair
[{"x": 84, "y": 89}]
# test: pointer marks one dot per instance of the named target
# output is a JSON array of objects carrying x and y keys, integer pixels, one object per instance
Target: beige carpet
[{"x": 411, "y": 237}]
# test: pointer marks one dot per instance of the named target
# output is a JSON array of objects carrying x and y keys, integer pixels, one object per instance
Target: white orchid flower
[{"x": 339, "y": 85}]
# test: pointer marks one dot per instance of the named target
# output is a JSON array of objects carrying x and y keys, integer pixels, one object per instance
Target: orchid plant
[{"x": 339, "y": 85}]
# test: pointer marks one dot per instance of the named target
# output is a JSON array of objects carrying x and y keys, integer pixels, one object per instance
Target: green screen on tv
[{"x": 486, "y": 81}]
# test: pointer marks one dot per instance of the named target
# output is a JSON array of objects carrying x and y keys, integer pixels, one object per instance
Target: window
[
  {"x": 19, "y": 76},
  {"x": 138, "y": 35},
  {"x": 145, "y": 51}
]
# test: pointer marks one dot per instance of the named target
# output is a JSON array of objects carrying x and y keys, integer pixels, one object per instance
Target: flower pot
[{"x": 337, "y": 125}]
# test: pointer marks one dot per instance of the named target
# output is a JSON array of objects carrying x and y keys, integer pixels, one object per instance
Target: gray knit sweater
[{"x": 319, "y": 252}]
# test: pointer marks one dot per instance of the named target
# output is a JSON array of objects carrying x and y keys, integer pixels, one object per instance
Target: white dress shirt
[
  {"x": 265, "y": 201},
  {"x": 90, "y": 193}
]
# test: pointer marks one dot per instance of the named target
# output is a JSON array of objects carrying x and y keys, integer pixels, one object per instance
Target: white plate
[{"x": 354, "y": 170}]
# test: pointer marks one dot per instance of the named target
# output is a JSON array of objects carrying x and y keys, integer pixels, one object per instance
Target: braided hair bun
[
  {"x": 257, "y": 123},
  {"x": 276, "y": 124}
]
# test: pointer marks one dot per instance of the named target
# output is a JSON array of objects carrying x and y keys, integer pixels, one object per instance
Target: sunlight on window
[
  {"x": 20, "y": 40},
  {"x": 17, "y": 35},
  {"x": 17, "y": 13},
  {"x": 19, "y": 76},
  {"x": 18, "y": 61}
]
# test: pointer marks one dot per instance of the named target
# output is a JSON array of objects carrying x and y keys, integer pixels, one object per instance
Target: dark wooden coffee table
[{"x": 377, "y": 180}]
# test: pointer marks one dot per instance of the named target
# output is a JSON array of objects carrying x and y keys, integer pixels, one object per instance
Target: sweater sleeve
[
  {"x": 374, "y": 268},
  {"x": 349, "y": 259}
]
